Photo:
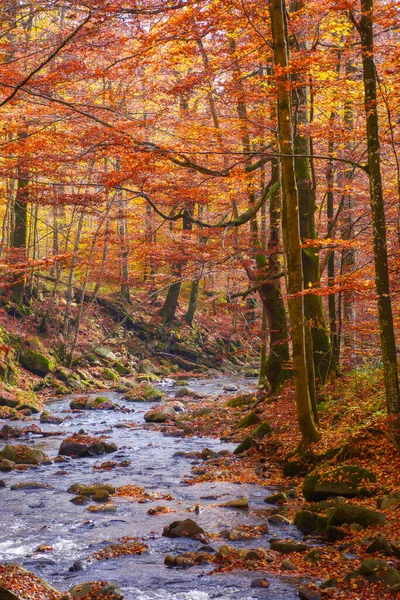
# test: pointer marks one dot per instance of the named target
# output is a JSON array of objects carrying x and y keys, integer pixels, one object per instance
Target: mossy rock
[
  {"x": 144, "y": 392},
  {"x": 355, "y": 513},
  {"x": 106, "y": 354},
  {"x": 387, "y": 501},
  {"x": 251, "y": 419},
  {"x": 24, "y": 455},
  {"x": 280, "y": 498},
  {"x": 347, "y": 481},
  {"x": 245, "y": 445},
  {"x": 262, "y": 430},
  {"x": 110, "y": 374},
  {"x": 96, "y": 590},
  {"x": 306, "y": 521},
  {"x": 239, "y": 401},
  {"x": 121, "y": 369},
  {"x": 377, "y": 570},
  {"x": 90, "y": 490},
  {"x": 36, "y": 362}
]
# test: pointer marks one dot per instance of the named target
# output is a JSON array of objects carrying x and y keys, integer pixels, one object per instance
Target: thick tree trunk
[
  {"x": 324, "y": 363},
  {"x": 20, "y": 232},
  {"x": 291, "y": 228},
  {"x": 386, "y": 327}
]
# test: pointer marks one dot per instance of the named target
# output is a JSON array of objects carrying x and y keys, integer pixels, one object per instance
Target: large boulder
[
  {"x": 78, "y": 445},
  {"x": 348, "y": 481},
  {"x": 37, "y": 362},
  {"x": 18, "y": 584},
  {"x": 24, "y": 455}
]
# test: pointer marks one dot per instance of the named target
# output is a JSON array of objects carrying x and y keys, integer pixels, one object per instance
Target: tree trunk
[
  {"x": 291, "y": 228},
  {"x": 20, "y": 231},
  {"x": 386, "y": 327}
]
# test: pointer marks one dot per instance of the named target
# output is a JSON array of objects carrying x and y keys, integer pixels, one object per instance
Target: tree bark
[
  {"x": 385, "y": 315},
  {"x": 291, "y": 228}
]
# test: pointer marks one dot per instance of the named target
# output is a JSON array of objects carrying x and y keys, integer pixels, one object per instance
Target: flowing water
[{"x": 47, "y": 517}]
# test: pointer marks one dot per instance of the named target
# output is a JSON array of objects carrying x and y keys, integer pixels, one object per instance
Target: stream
[{"x": 31, "y": 518}]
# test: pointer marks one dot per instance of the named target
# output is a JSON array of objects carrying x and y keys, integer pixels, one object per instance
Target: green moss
[
  {"x": 36, "y": 362},
  {"x": 248, "y": 420},
  {"x": 110, "y": 375}
]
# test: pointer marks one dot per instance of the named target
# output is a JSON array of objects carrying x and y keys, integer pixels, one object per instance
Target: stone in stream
[
  {"x": 278, "y": 519},
  {"x": 80, "y": 445},
  {"x": 8, "y": 431},
  {"x": 309, "y": 592},
  {"x": 230, "y": 387},
  {"x": 260, "y": 582},
  {"x": 186, "y": 528},
  {"x": 6, "y": 465},
  {"x": 143, "y": 392},
  {"x": 242, "y": 503},
  {"x": 2, "y": 484},
  {"x": 24, "y": 455},
  {"x": 31, "y": 485},
  {"x": 280, "y": 498},
  {"x": 98, "y": 403},
  {"x": 96, "y": 590},
  {"x": 156, "y": 416},
  {"x": 47, "y": 417}
]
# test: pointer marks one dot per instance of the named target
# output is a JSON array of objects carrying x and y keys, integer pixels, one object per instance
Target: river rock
[
  {"x": 388, "y": 501},
  {"x": 184, "y": 391},
  {"x": 347, "y": 481},
  {"x": 143, "y": 392},
  {"x": 377, "y": 570},
  {"x": 186, "y": 528},
  {"x": 280, "y": 498},
  {"x": 278, "y": 519},
  {"x": 31, "y": 485},
  {"x": 106, "y": 354},
  {"x": 90, "y": 490},
  {"x": 15, "y": 581},
  {"x": 287, "y": 546},
  {"x": 8, "y": 431},
  {"x": 260, "y": 582},
  {"x": 242, "y": 503},
  {"x": 230, "y": 387},
  {"x": 79, "y": 445},
  {"x": 47, "y": 417},
  {"x": 37, "y": 362},
  {"x": 309, "y": 592},
  {"x": 306, "y": 521},
  {"x": 156, "y": 416},
  {"x": 6, "y": 465},
  {"x": 2, "y": 484},
  {"x": 250, "y": 419},
  {"x": 379, "y": 544},
  {"x": 98, "y": 403},
  {"x": 355, "y": 513},
  {"x": 24, "y": 455},
  {"x": 287, "y": 565},
  {"x": 93, "y": 590}
]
